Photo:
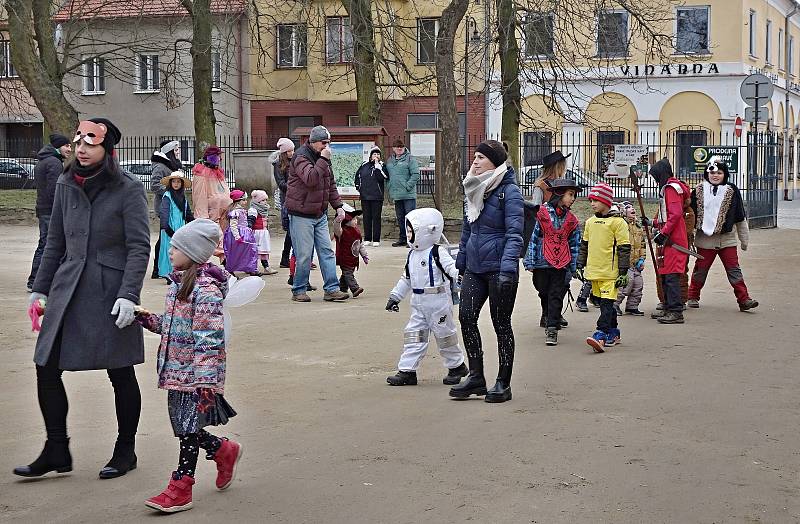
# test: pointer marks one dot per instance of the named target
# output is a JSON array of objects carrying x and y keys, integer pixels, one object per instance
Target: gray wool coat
[{"x": 96, "y": 252}]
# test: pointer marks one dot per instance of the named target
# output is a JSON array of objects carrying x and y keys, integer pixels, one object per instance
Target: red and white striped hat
[{"x": 602, "y": 192}]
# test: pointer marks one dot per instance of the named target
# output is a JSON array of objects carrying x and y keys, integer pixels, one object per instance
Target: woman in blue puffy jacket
[{"x": 488, "y": 259}]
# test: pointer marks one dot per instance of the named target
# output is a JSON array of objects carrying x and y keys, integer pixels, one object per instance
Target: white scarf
[
  {"x": 711, "y": 205},
  {"x": 477, "y": 186}
]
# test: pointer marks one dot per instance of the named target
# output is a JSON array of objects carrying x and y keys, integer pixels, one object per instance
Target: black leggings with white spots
[{"x": 190, "y": 447}]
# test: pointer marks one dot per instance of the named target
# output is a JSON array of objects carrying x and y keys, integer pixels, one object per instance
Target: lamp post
[{"x": 473, "y": 37}]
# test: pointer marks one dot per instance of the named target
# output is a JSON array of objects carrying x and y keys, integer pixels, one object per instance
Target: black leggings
[
  {"x": 475, "y": 289},
  {"x": 549, "y": 282},
  {"x": 54, "y": 406},
  {"x": 372, "y": 219},
  {"x": 190, "y": 448}
]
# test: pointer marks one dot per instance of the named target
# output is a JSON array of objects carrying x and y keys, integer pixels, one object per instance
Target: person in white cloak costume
[{"x": 430, "y": 276}]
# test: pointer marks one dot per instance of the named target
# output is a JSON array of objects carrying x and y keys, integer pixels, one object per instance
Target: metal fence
[{"x": 756, "y": 168}]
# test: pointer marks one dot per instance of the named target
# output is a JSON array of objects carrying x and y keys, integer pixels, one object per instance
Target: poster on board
[{"x": 346, "y": 158}]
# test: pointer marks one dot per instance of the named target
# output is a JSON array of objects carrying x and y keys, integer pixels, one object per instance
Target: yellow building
[{"x": 688, "y": 96}]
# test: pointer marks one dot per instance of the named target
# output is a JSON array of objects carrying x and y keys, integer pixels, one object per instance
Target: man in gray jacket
[{"x": 48, "y": 169}]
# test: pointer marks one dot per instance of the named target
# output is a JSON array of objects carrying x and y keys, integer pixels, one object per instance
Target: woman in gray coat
[{"x": 89, "y": 281}]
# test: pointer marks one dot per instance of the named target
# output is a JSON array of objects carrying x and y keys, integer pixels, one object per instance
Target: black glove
[
  {"x": 647, "y": 222},
  {"x": 169, "y": 231},
  {"x": 660, "y": 239},
  {"x": 392, "y": 305},
  {"x": 579, "y": 274},
  {"x": 506, "y": 282}
]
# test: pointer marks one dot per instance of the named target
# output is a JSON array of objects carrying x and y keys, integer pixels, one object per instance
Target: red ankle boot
[
  {"x": 177, "y": 496},
  {"x": 227, "y": 457}
]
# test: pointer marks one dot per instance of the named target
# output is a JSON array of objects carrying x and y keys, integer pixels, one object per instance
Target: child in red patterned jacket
[
  {"x": 191, "y": 361},
  {"x": 348, "y": 248}
]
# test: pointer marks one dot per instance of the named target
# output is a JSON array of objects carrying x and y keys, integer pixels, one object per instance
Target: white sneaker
[
  {"x": 367, "y": 243},
  {"x": 376, "y": 244}
]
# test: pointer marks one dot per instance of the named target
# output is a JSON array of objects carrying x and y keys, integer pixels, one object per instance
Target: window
[
  {"x": 684, "y": 140},
  {"x": 780, "y": 48},
  {"x": 606, "y": 140},
  {"x": 147, "y": 73},
  {"x": 752, "y": 27},
  {"x": 538, "y": 33},
  {"x": 431, "y": 121},
  {"x": 790, "y": 57},
  {"x": 535, "y": 146},
  {"x": 94, "y": 76},
  {"x": 767, "y": 46},
  {"x": 353, "y": 120},
  {"x": 292, "y": 45},
  {"x": 692, "y": 30},
  {"x": 339, "y": 40},
  {"x": 612, "y": 34},
  {"x": 301, "y": 121},
  {"x": 216, "y": 71},
  {"x": 427, "y": 29},
  {"x": 6, "y": 69}
]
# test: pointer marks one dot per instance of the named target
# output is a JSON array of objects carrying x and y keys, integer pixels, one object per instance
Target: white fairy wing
[{"x": 240, "y": 293}]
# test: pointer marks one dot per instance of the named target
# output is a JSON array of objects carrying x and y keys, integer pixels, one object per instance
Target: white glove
[
  {"x": 36, "y": 296},
  {"x": 124, "y": 309}
]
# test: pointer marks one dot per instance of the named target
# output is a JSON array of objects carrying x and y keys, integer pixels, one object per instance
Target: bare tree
[
  {"x": 36, "y": 61},
  {"x": 361, "y": 25},
  {"x": 204, "y": 119}
]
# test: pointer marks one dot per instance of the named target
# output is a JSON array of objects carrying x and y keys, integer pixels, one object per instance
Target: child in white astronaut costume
[{"x": 428, "y": 276}]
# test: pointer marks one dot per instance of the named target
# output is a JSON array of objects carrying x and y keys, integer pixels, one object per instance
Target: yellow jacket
[
  {"x": 604, "y": 236},
  {"x": 638, "y": 245}
]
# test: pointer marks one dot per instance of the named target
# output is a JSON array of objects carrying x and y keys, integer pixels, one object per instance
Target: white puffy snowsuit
[{"x": 431, "y": 299}]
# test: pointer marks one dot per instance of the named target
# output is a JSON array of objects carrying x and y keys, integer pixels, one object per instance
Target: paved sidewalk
[{"x": 789, "y": 213}]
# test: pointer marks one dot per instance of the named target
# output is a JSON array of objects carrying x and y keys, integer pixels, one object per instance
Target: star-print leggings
[{"x": 190, "y": 448}]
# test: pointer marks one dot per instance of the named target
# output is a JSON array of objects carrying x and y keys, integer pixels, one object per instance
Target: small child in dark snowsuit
[{"x": 348, "y": 248}]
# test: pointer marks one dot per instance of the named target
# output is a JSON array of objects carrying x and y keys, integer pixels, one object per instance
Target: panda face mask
[{"x": 716, "y": 171}]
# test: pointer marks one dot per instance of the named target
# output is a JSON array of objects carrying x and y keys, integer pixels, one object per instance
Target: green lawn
[{"x": 11, "y": 199}]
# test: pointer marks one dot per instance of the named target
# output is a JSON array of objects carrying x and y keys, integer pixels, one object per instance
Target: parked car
[
  {"x": 143, "y": 169},
  {"x": 14, "y": 175}
]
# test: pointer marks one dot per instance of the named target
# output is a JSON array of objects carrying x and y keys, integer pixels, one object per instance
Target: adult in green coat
[{"x": 403, "y": 176}]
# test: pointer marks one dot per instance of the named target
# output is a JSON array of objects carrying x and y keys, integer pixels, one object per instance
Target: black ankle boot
[
  {"x": 475, "y": 383},
  {"x": 54, "y": 457},
  {"x": 122, "y": 461},
  {"x": 501, "y": 391}
]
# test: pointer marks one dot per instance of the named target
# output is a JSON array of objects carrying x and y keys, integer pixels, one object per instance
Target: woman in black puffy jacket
[{"x": 369, "y": 182}]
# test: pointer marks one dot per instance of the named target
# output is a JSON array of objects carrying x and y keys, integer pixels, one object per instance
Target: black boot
[
  {"x": 54, "y": 457},
  {"x": 475, "y": 384},
  {"x": 454, "y": 375},
  {"x": 403, "y": 378},
  {"x": 562, "y": 322},
  {"x": 501, "y": 391},
  {"x": 122, "y": 461}
]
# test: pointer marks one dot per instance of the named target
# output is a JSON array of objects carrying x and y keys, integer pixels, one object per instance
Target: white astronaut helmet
[{"x": 424, "y": 227}]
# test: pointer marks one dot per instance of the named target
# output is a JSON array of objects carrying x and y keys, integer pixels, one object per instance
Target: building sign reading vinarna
[{"x": 669, "y": 69}]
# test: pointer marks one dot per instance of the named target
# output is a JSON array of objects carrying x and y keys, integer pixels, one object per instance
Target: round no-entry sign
[{"x": 737, "y": 128}]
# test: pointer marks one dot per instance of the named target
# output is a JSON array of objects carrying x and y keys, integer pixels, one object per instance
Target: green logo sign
[{"x": 702, "y": 154}]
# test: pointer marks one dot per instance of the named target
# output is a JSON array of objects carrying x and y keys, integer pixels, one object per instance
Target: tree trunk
[
  {"x": 448, "y": 177},
  {"x": 360, "y": 12},
  {"x": 509, "y": 77},
  {"x": 204, "y": 119},
  {"x": 38, "y": 66}
]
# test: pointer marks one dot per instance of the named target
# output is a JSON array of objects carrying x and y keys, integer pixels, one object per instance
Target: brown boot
[
  {"x": 335, "y": 296},
  {"x": 301, "y": 297},
  {"x": 671, "y": 317},
  {"x": 748, "y": 304}
]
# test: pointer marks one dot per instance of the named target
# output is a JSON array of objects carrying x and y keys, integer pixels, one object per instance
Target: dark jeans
[
  {"x": 549, "y": 282},
  {"x": 401, "y": 209},
  {"x": 54, "y": 406},
  {"x": 372, "y": 219},
  {"x": 348, "y": 280},
  {"x": 155, "y": 256},
  {"x": 287, "y": 247},
  {"x": 44, "y": 225},
  {"x": 475, "y": 289},
  {"x": 672, "y": 292},
  {"x": 608, "y": 316}
]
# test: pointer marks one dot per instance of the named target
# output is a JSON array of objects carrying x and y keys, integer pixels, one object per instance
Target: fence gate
[{"x": 761, "y": 194}]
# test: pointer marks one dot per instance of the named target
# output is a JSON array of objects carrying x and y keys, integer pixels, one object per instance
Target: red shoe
[
  {"x": 177, "y": 496},
  {"x": 227, "y": 457}
]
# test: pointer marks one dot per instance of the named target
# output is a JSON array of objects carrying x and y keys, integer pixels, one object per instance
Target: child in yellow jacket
[{"x": 603, "y": 259}]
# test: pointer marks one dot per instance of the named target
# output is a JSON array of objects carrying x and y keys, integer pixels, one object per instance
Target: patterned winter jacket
[
  {"x": 638, "y": 245},
  {"x": 192, "y": 350},
  {"x": 534, "y": 258}
]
